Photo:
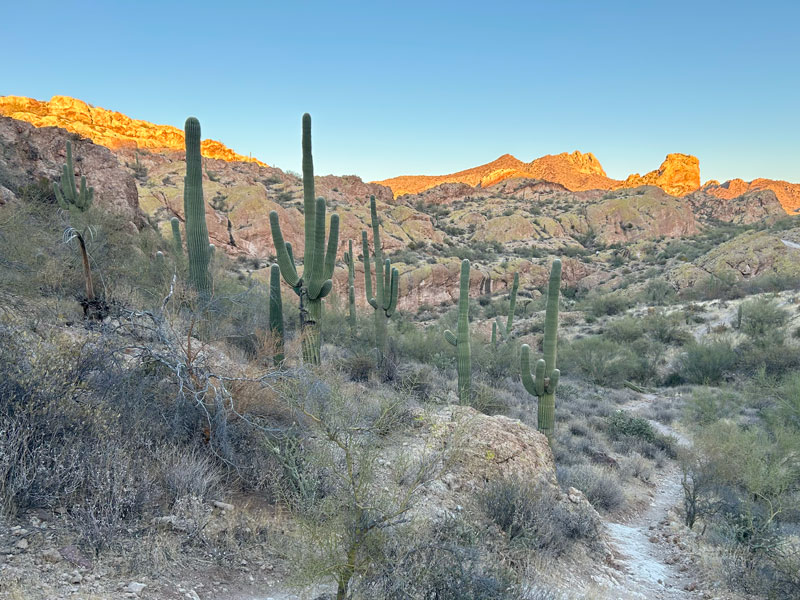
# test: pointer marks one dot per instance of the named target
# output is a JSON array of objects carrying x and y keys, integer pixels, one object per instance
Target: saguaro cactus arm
[{"x": 283, "y": 252}]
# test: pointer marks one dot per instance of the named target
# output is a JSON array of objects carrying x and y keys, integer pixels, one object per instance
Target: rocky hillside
[
  {"x": 505, "y": 216},
  {"x": 107, "y": 127},
  {"x": 679, "y": 174}
]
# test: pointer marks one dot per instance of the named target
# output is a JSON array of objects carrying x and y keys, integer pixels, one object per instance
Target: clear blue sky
[{"x": 433, "y": 87}]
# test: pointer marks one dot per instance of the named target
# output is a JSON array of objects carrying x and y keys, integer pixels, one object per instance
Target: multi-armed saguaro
[
  {"x": 386, "y": 283},
  {"x": 194, "y": 209},
  {"x": 70, "y": 198},
  {"x": 67, "y": 194},
  {"x": 315, "y": 283},
  {"x": 544, "y": 381},
  {"x": 461, "y": 340},
  {"x": 350, "y": 261},
  {"x": 505, "y": 330},
  {"x": 276, "y": 312}
]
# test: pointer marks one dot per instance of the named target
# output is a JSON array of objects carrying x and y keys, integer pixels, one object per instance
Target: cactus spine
[
  {"x": 276, "y": 313},
  {"x": 544, "y": 381},
  {"x": 176, "y": 235},
  {"x": 315, "y": 283},
  {"x": 67, "y": 194},
  {"x": 461, "y": 339},
  {"x": 386, "y": 283},
  {"x": 350, "y": 260},
  {"x": 194, "y": 209}
]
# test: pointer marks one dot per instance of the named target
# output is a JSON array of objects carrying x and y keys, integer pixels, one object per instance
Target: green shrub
[
  {"x": 707, "y": 362},
  {"x": 602, "y": 361},
  {"x": 708, "y": 405},
  {"x": 600, "y": 305},
  {"x": 658, "y": 292},
  {"x": 762, "y": 317},
  {"x": 626, "y": 329}
]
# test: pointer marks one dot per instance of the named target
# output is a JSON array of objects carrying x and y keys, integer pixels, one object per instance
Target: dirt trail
[{"x": 653, "y": 564}]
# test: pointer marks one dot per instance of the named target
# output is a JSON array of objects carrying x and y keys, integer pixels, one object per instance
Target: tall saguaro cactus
[
  {"x": 461, "y": 339},
  {"x": 350, "y": 260},
  {"x": 315, "y": 282},
  {"x": 194, "y": 209},
  {"x": 276, "y": 312},
  {"x": 386, "y": 283},
  {"x": 544, "y": 381}
]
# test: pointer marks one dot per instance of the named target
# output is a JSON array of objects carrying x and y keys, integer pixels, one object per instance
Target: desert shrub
[
  {"x": 601, "y": 487},
  {"x": 666, "y": 329},
  {"x": 533, "y": 516},
  {"x": 625, "y": 330},
  {"x": 773, "y": 358},
  {"x": 706, "y": 362},
  {"x": 658, "y": 292},
  {"x": 359, "y": 366},
  {"x": 445, "y": 561},
  {"x": 787, "y": 402},
  {"x": 762, "y": 317},
  {"x": 602, "y": 361},
  {"x": 416, "y": 381},
  {"x": 621, "y": 424},
  {"x": 600, "y": 305},
  {"x": 487, "y": 400},
  {"x": 709, "y": 405}
]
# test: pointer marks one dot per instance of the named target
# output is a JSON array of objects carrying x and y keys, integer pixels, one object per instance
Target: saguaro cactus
[
  {"x": 505, "y": 330},
  {"x": 461, "y": 339},
  {"x": 544, "y": 381},
  {"x": 72, "y": 199},
  {"x": 315, "y": 283},
  {"x": 386, "y": 284},
  {"x": 194, "y": 209},
  {"x": 350, "y": 260},
  {"x": 68, "y": 195},
  {"x": 276, "y": 312},
  {"x": 176, "y": 235}
]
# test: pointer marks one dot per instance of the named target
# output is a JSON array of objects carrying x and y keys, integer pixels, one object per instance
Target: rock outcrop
[
  {"x": 678, "y": 175},
  {"x": 107, "y": 127},
  {"x": 788, "y": 194}
]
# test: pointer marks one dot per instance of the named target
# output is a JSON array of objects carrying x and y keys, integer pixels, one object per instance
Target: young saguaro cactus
[
  {"x": 67, "y": 194},
  {"x": 505, "y": 330},
  {"x": 176, "y": 235},
  {"x": 461, "y": 339},
  {"x": 386, "y": 284},
  {"x": 315, "y": 282},
  {"x": 276, "y": 312},
  {"x": 544, "y": 381},
  {"x": 350, "y": 260},
  {"x": 194, "y": 209}
]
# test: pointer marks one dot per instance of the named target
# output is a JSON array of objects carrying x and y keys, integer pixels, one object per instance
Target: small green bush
[{"x": 707, "y": 362}]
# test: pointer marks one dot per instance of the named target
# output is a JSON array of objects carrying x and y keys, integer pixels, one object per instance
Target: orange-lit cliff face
[
  {"x": 788, "y": 194},
  {"x": 106, "y": 127},
  {"x": 678, "y": 175}
]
